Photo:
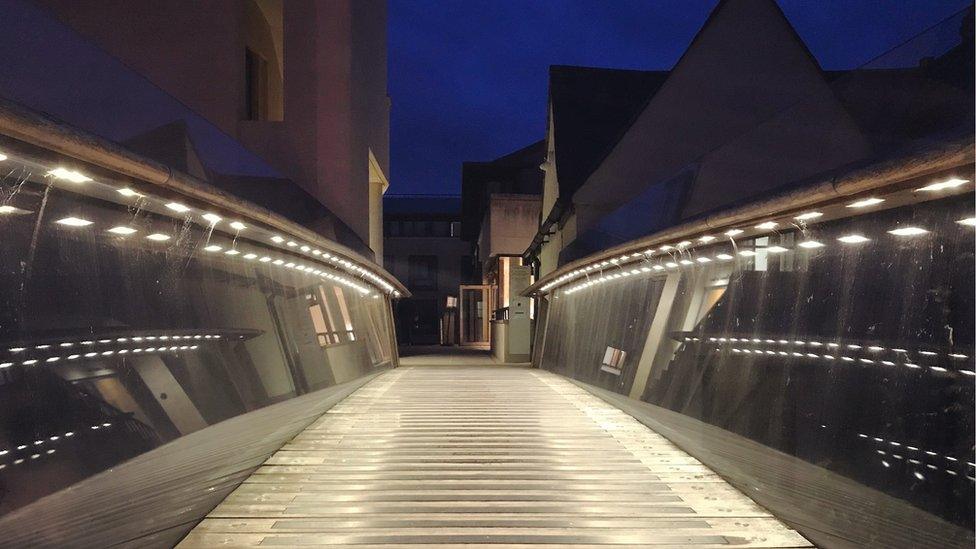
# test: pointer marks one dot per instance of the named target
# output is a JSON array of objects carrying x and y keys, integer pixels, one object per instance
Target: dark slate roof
[
  {"x": 515, "y": 173},
  {"x": 591, "y": 110}
]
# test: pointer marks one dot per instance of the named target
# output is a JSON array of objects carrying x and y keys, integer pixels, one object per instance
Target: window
[
  {"x": 256, "y": 85},
  {"x": 263, "y": 60},
  {"x": 422, "y": 272}
]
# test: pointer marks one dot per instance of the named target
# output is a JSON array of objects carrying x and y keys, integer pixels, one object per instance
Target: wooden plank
[{"x": 484, "y": 457}]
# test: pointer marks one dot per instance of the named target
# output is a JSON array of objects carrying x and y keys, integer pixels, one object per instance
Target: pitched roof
[{"x": 591, "y": 109}]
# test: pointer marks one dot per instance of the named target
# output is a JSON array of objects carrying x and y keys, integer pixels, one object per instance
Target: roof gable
[
  {"x": 591, "y": 109},
  {"x": 744, "y": 66}
]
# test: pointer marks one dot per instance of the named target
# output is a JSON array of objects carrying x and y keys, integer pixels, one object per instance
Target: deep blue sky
[{"x": 468, "y": 77}]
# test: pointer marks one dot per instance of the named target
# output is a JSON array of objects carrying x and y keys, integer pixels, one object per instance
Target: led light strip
[
  {"x": 909, "y": 448},
  {"x": 42, "y": 441},
  {"x": 768, "y": 226},
  {"x": 99, "y": 354},
  {"x": 136, "y": 339},
  {"x": 233, "y": 252},
  {"x": 634, "y": 264},
  {"x": 830, "y": 345},
  {"x": 845, "y": 358},
  {"x": 73, "y": 177}
]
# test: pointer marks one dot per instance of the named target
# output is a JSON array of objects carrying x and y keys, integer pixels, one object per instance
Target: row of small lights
[
  {"x": 137, "y": 339},
  {"x": 843, "y": 358},
  {"x": 806, "y": 244},
  {"x": 308, "y": 250},
  {"x": 79, "y": 178},
  {"x": 93, "y": 354},
  {"x": 685, "y": 245},
  {"x": 231, "y": 252},
  {"x": 49, "y": 451},
  {"x": 913, "y": 461},
  {"x": 832, "y": 345}
]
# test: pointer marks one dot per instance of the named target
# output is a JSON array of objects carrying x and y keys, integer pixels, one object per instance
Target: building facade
[
  {"x": 423, "y": 248},
  {"x": 501, "y": 201},
  {"x": 301, "y": 84},
  {"x": 745, "y": 110},
  {"x": 778, "y": 257}
]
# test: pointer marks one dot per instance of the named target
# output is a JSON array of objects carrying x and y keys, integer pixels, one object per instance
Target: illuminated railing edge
[
  {"x": 633, "y": 256},
  {"x": 26, "y": 126},
  {"x": 209, "y": 221}
]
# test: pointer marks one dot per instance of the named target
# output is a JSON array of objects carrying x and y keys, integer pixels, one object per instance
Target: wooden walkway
[{"x": 493, "y": 456}]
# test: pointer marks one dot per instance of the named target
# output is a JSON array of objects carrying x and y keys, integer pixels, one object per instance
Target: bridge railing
[{"x": 826, "y": 329}]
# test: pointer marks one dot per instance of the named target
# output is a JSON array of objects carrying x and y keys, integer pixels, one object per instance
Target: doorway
[{"x": 475, "y": 304}]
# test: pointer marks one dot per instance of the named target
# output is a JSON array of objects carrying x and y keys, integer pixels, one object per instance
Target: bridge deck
[{"x": 450, "y": 457}]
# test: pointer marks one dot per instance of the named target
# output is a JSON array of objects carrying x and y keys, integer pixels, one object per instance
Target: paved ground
[{"x": 484, "y": 456}]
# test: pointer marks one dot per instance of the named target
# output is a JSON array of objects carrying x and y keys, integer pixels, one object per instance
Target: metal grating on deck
[{"x": 494, "y": 456}]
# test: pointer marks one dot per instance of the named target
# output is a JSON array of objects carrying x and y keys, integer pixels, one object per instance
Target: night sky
[{"x": 468, "y": 78}]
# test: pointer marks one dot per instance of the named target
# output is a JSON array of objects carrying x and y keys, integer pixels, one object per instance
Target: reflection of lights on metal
[
  {"x": 733, "y": 232},
  {"x": 73, "y": 222},
  {"x": 277, "y": 239},
  {"x": 908, "y": 231},
  {"x": 706, "y": 238},
  {"x": 865, "y": 202},
  {"x": 7, "y": 209},
  {"x": 212, "y": 248},
  {"x": 232, "y": 252},
  {"x": 2, "y": 157},
  {"x": 250, "y": 256},
  {"x": 666, "y": 247},
  {"x": 971, "y": 221},
  {"x": 776, "y": 249},
  {"x": 810, "y": 244},
  {"x": 279, "y": 262},
  {"x": 292, "y": 244},
  {"x": 767, "y": 225},
  {"x": 670, "y": 264},
  {"x": 238, "y": 226},
  {"x": 69, "y": 175},
  {"x": 703, "y": 260},
  {"x": 177, "y": 207},
  {"x": 942, "y": 185},
  {"x": 122, "y": 230},
  {"x": 265, "y": 259},
  {"x": 724, "y": 257},
  {"x": 212, "y": 218},
  {"x": 686, "y": 262},
  {"x": 747, "y": 253},
  {"x": 853, "y": 239},
  {"x": 808, "y": 215},
  {"x": 158, "y": 237},
  {"x": 126, "y": 191},
  {"x": 658, "y": 268}
]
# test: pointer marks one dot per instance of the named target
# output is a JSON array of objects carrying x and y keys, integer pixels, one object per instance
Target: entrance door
[{"x": 475, "y": 307}]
